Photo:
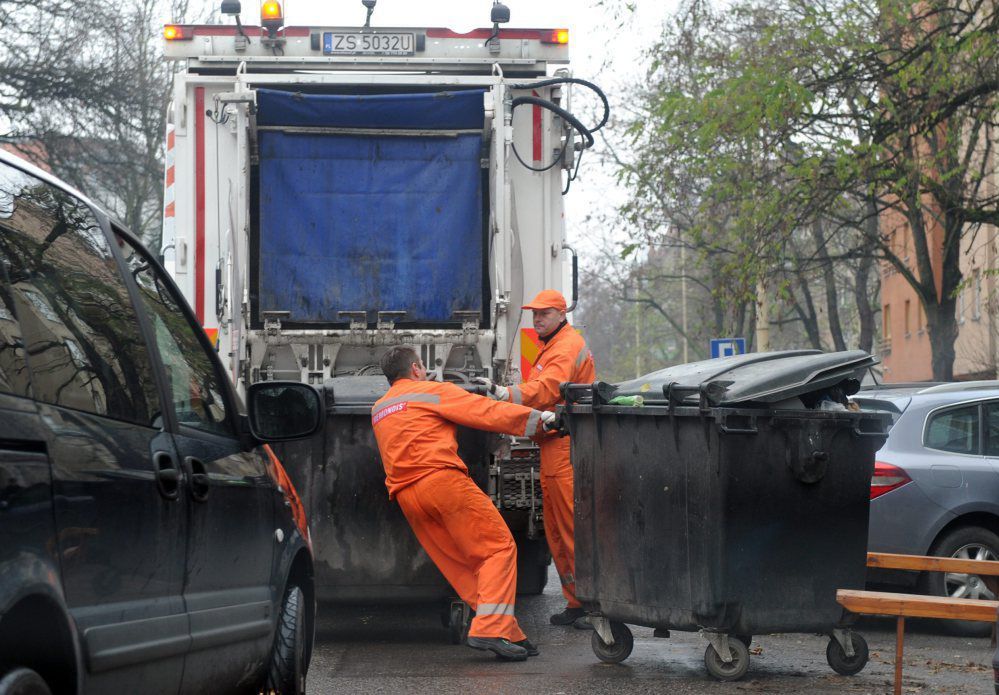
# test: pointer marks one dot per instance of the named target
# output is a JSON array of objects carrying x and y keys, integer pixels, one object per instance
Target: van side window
[
  {"x": 80, "y": 331},
  {"x": 13, "y": 365},
  {"x": 954, "y": 430},
  {"x": 194, "y": 382}
]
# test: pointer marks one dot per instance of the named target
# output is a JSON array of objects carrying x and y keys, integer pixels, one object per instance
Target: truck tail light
[
  {"x": 887, "y": 478},
  {"x": 560, "y": 36},
  {"x": 175, "y": 32}
]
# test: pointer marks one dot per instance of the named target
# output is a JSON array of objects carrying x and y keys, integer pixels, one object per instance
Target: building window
[
  {"x": 905, "y": 316},
  {"x": 960, "y": 304},
  {"x": 920, "y": 318},
  {"x": 886, "y": 323}
]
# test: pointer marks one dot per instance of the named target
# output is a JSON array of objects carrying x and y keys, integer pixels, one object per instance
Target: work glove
[
  {"x": 549, "y": 421},
  {"x": 493, "y": 390}
]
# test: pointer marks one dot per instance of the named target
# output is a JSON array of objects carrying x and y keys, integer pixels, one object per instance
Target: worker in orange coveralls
[
  {"x": 415, "y": 425},
  {"x": 564, "y": 357}
]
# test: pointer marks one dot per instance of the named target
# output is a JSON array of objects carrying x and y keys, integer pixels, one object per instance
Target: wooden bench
[{"x": 903, "y": 606}]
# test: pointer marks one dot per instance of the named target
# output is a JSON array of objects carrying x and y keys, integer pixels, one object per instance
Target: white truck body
[{"x": 212, "y": 151}]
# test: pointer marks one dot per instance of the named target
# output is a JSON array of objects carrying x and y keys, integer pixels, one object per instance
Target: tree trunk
[
  {"x": 807, "y": 313},
  {"x": 942, "y": 328},
  {"x": 862, "y": 291},
  {"x": 829, "y": 277},
  {"x": 862, "y": 296}
]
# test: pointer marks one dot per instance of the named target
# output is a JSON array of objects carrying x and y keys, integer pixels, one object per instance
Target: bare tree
[{"x": 92, "y": 103}]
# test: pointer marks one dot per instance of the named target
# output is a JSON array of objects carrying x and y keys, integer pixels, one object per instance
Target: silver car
[{"x": 935, "y": 488}]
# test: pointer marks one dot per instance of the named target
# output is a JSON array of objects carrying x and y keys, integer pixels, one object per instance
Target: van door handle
[
  {"x": 200, "y": 482},
  {"x": 167, "y": 475}
]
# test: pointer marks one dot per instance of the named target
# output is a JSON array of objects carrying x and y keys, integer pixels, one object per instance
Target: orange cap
[{"x": 547, "y": 299}]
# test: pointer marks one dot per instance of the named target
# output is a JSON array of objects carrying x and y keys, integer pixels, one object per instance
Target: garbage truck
[{"x": 332, "y": 191}]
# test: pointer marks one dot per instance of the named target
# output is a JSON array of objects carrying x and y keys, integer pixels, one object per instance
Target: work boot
[
  {"x": 582, "y": 623},
  {"x": 567, "y": 617},
  {"x": 500, "y": 646},
  {"x": 531, "y": 649}
]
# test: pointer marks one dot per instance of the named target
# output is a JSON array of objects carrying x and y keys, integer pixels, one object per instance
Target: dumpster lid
[{"x": 761, "y": 377}]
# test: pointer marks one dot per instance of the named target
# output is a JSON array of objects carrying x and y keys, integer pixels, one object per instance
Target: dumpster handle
[
  {"x": 703, "y": 403},
  {"x": 867, "y": 433},
  {"x": 575, "y": 393},
  {"x": 751, "y": 428},
  {"x": 675, "y": 395}
]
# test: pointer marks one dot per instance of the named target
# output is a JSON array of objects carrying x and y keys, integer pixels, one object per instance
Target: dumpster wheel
[
  {"x": 615, "y": 653},
  {"x": 840, "y": 662},
  {"x": 734, "y": 669},
  {"x": 458, "y": 620}
]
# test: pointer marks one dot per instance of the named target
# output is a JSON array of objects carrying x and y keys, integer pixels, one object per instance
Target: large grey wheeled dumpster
[
  {"x": 733, "y": 501},
  {"x": 365, "y": 551}
]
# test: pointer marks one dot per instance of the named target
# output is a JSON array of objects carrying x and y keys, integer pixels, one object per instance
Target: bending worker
[
  {"x": 564, "y": 357},
  {"x": 455, "y": 522}
]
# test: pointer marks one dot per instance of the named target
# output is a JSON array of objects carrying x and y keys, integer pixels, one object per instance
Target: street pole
[
  {"x": 762, "y": 317},
  {"x": 638, "y": 343},
  {"x": 683, "y": 295}
]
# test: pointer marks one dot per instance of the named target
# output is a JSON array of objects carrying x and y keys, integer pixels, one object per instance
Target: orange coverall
[
  {"x": 458, "y": 526},
  {"x": 564, "y": 357}
]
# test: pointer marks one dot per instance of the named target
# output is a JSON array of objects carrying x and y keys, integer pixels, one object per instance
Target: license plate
[{"x": 358, "y": 43}]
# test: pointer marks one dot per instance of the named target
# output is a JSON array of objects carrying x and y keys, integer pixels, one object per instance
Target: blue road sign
[{"x": 726, "y": 347}]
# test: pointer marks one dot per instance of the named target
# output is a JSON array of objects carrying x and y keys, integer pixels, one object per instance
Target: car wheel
[
  {"x": 288, "y": 666},
  {"x": 23, "y": 681},
  {"x": 966, "y": 543}
]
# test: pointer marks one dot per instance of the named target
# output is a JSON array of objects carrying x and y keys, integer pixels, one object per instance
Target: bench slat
[
  {"x": 988, "y": 568},
  {"x": 912, "y": 606}
]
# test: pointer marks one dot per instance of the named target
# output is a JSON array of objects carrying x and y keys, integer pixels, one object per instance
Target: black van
[{"x": 149, "y": 540}]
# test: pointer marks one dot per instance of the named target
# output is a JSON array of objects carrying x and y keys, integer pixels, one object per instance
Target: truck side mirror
[{"x": 283, "y": 410}]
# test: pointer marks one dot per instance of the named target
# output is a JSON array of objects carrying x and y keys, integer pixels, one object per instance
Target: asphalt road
[{"x": 405, "y": 650}]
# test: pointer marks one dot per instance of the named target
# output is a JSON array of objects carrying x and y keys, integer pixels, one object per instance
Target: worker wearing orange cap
[
  {"x": 455, "y": 522},
  {"x": 564, "y": 357}
]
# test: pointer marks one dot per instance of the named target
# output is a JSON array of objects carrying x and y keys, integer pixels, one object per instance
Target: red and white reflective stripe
[
  {"x": 199, "y": 204},
  {"x": 169, "y": 193}
]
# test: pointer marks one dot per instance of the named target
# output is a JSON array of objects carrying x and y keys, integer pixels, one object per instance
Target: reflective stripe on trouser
[
  {"x": 467, "y": 539},
  {"x": 556, "y": 489}
]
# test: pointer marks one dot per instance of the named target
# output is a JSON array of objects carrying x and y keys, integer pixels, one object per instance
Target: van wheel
[
  {"x": 287, "y": 669},
  {"x": 965, "y": 543},
  {"x": 23, "y": 681}
]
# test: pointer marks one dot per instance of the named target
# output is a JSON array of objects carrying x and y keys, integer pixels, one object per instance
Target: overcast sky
[{"x": 603, "y": 48}]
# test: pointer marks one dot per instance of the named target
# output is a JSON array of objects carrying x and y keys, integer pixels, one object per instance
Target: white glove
[
  {"x": 548, "y": 419},
  {"x": 493, "y": 390}
]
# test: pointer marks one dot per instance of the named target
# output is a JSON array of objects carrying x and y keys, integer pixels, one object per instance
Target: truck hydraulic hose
[
  {"x": 572, "y": 80},
  {"x": 586, "y": 132},
  {"x": 572, "y": 120}
]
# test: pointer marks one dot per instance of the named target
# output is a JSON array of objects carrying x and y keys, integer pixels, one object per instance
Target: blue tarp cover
[
  {"x": 460, "y": 110},
  {"x": 372, "y": 223}
]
